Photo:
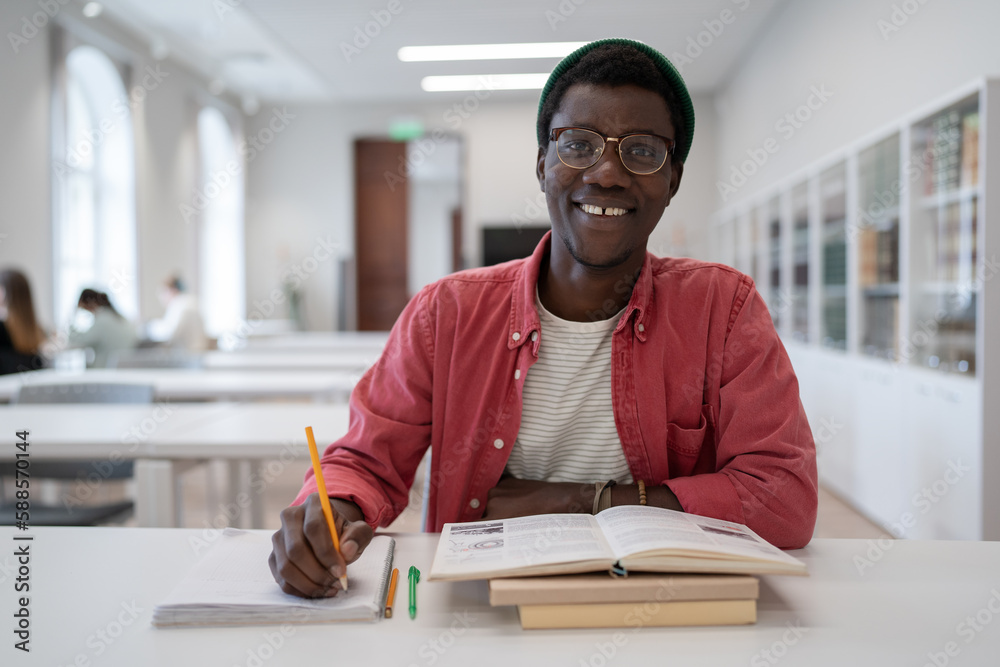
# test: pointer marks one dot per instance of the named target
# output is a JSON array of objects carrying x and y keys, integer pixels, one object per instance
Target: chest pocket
[{"x": 691, "y": 451}]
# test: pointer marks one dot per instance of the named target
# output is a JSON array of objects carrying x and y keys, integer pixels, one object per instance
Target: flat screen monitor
[{"x": 502, "y": 244}]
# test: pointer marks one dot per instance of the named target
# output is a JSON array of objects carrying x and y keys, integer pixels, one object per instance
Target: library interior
[{"x": 277, "y": 279}]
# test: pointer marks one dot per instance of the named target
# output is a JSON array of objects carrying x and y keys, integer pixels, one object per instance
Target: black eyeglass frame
[{"x": 671, "y": 146}]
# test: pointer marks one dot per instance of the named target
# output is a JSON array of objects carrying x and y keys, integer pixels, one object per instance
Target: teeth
[{"x": 597, "y": 210}]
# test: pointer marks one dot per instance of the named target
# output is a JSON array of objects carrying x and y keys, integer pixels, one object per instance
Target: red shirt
[{"x": 704, "y": 397}]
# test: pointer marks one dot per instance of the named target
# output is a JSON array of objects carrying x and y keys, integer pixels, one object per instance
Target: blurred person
[
  {"x": 181, "y": 325},
  {"x": 21, "y": 338},
  {"x": 109, "y": 332}
]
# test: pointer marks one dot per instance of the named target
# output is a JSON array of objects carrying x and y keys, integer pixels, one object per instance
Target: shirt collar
[{"x": 524, "y": 322}]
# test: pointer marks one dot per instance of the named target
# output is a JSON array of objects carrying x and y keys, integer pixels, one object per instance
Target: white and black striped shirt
[{"x": 568, "y": 431}]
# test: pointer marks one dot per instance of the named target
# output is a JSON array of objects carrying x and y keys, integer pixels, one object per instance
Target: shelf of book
[
  {"x": 800, "y": 262},
  {"x": 833, "y": 227},
  {"x": 943, "y": 244},
  {"x": 894, "y": 249}
]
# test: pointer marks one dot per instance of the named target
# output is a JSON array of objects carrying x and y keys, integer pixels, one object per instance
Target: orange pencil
[
  {"x": 392, "y": 592},
  {"x": 323, "y": 498}
]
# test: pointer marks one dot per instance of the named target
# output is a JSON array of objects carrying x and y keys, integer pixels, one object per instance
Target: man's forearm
[{"x": 656, "y": 495}]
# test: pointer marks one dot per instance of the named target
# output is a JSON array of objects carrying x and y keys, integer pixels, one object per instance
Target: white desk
[
  {"x": 84, "y": 581},
  {"x": 164, "y": 439},
  {"x": 175, "y": 384},
  {"x": 355, "y": 361},
  {"x": 318, "y": 341}
]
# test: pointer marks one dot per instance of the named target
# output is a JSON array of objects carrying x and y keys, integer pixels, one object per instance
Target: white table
[
  {"x": 89, "y": 582},
  {"x": 176, "y": 384},
  {"x": 165, "y": 439},
  {"x": 313, "y": 341},
  {"x": 355, "y": 361}
]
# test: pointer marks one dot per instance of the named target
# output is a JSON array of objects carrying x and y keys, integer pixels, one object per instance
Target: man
[
  {"x": 590, "y": 374},
  {"x": 181, "y": 326}
]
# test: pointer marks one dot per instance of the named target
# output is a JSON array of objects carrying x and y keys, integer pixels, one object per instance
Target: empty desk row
[
  {"x": 165, "y": 439},
  {"x": 176, "y": 384}
]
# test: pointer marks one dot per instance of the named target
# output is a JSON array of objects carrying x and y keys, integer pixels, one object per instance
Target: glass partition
[
  {"x": 772, "y": 217},
  {"x": 833, "y": 221},
  {"x": 878, "y": 248},
  {"x": 943, "y": 256},
  {"x": 800, "y": 262}
]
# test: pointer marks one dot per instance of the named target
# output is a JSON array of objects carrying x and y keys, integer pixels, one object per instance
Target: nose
[{"x": 608, "y": 171}]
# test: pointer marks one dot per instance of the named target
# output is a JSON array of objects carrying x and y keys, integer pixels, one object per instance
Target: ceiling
[{"x": 339, "y": 51}]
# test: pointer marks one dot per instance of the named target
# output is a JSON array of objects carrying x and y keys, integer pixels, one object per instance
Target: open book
[
  {"x": 624, "y": 538},
  {"x": 232, "y": 585}
]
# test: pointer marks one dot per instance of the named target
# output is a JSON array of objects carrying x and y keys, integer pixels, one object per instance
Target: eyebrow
[{"x": 638, "y": 131}]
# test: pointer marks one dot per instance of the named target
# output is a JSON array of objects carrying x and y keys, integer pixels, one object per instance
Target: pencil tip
[{"x": 343, "y": 582}]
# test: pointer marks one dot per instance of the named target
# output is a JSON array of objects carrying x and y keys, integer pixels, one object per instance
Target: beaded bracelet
[
  {"x": 642, "y": 492},
  {"x": 602, "y": 495}
]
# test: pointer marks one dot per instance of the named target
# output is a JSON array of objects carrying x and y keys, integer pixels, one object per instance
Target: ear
[
  {"x": 540, "y": 167},
  {"x": 676, "y": 171}
]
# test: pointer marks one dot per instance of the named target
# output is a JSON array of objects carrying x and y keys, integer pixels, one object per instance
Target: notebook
[{"x": 232, "y": 585}]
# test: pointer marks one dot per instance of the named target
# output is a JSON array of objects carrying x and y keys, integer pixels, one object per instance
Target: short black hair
[{"x": 614, "y": 64}]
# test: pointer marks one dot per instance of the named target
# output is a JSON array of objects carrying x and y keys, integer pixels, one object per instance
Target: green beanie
[{"x": 665, "y": 67}]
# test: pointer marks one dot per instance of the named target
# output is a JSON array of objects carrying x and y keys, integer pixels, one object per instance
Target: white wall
[
  {"x": 25, "y": 229},
  {"x": 873, "y": 79},
  {"x": 435, "y": 190}
]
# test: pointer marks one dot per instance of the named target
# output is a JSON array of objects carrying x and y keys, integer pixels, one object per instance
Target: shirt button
[
  {"x": 516, "y": 336},
  {"x": 517, "y": 374},
  {"x": 534, "y": 335},
  {"x": 641, "y": 328},
  {"x": 498, "y": 443},
  {"x": 474, "y": 503}
]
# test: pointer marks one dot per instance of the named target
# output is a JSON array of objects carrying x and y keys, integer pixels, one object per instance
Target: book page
[
  {"x": 633, "y": 529},
  {"x": 232, "y": 584},
  {"x": 489, "y": 547}
]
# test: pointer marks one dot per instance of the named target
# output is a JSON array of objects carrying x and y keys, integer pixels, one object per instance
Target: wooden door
[{"x": 380, "y": 222}]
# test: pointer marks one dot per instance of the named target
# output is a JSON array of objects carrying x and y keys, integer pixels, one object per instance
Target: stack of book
[
  {"x": 629, "y": 566},
  {"x": 637, "y": 601}
]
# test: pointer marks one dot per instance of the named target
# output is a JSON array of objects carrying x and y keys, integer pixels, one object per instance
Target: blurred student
[
  {"x": 21, "y": 338},
  {"x": 181, "y": 326},
  {"x": 110, "y": 331}
]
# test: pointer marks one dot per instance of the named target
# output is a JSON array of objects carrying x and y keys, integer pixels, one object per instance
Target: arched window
[
  {"x": 95, "y": 225},
  {"x": 221, "y": 264}
]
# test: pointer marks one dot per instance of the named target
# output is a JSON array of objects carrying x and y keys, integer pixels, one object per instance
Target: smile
[{"x": 597, "y": 210}]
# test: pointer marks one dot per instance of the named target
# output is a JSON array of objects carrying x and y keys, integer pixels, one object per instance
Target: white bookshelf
[{"x": 887, "y": 299}]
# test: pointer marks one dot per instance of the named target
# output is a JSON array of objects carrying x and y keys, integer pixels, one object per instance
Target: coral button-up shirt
[{"x": 704, "y": 396}]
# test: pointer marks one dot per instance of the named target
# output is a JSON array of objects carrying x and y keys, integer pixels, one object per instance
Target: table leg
[
  {"x": 256, "y": 499},
  {"x": 155, "y": 503},
  {"x": 234, "y": 488}
]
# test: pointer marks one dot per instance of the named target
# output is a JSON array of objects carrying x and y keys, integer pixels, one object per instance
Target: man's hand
[
  {"x": 303, "y": 560},
  {"x": 520, "y": 497}
]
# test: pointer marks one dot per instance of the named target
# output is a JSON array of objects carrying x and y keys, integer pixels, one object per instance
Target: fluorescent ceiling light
[
  {"x": 92, "y": 9},
  {"x": 488, "y": 51},
  {"x": 485, "y": 82}
]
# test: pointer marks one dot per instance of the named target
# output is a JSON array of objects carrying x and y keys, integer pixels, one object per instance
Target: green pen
[{"x": 414, "y": 575}]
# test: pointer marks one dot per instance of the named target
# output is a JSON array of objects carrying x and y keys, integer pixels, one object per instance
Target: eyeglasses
[{"x": 580, "y": 148}]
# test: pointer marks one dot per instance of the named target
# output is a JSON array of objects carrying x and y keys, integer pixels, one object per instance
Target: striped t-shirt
[{"x": 568, "y": 429}]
